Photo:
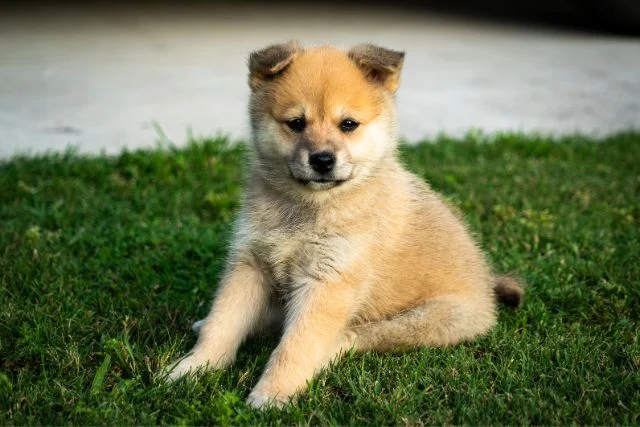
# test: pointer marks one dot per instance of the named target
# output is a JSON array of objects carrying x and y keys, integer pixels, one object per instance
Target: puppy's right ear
[{"x": 267, "y": 63}]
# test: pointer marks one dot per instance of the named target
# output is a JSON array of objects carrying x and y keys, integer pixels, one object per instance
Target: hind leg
[{"x": 438, "y": 322}]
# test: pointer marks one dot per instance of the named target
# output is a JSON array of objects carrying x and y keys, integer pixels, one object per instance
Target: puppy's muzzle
[{"x": 319, "y": 170}]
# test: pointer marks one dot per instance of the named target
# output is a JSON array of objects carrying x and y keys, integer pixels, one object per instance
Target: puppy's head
[{"x": 322, "y": 119}]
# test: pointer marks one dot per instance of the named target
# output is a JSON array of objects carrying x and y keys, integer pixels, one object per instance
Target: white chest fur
[{"x": 296, "y": 251}]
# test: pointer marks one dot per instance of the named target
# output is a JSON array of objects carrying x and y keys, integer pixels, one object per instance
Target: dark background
[{"x": 616, "y": 17}]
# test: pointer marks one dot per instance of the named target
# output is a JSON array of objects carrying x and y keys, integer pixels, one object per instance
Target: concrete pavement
[{"x": 101, "y": 80}]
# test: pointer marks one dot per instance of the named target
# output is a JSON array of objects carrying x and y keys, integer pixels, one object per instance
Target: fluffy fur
[{"x": 366, "y": 256}]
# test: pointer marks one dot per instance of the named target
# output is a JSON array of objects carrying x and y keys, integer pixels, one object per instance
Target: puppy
[{"x": 335, "y": 240}]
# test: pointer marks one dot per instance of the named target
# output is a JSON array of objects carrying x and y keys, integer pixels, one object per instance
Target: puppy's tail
[{"x": 508, "y": 290}]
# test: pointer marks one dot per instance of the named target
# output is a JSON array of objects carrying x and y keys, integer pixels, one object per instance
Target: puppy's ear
[
  {"x": 267, "y": 63},
  {"x": 380, "y": 65}
]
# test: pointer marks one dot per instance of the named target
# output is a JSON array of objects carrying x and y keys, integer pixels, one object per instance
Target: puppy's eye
[
  {"x": 297, "y": 125},
  {"x": 348, "y": 125}
]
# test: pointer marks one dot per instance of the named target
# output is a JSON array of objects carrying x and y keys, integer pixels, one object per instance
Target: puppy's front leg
[
  {"x": 240, "y": 303},
  {"x": 315, "y": 332}
]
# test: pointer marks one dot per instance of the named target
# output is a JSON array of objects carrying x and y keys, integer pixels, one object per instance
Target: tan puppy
[{"x": 334, "y": 234}]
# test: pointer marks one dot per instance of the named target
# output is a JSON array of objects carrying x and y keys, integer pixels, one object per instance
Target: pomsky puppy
[{"x": 336, "y": 242}]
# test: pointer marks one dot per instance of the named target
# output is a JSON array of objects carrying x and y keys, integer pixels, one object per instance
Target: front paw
[
  {"x": 181, "y": 367},
  {"x": 193, "y": 363},
  {"x": 263, "y": 400}
]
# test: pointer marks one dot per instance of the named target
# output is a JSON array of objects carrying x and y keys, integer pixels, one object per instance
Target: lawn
[{"x": 106, "y": 261}]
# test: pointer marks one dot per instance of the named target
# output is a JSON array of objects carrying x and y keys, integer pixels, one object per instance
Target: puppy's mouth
[
  {"x": 320, "y": 183},
  {"x": 315, "y": 181}
]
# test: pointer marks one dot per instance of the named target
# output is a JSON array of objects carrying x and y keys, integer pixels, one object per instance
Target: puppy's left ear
[
  {"x": 267, "y": 63},
  {"x": 379, "y": 65}
]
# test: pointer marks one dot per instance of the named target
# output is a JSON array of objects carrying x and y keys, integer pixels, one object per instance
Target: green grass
[{"x": 106, "y": 261}]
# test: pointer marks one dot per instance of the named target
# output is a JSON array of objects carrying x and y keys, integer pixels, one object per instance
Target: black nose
[{"x": 322, "y": 161}]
